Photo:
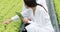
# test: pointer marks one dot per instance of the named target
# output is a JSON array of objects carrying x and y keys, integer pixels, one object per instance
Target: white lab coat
[{"x": 40, "y": 21}]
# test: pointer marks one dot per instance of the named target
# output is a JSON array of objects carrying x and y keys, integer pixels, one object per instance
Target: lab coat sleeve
[
  {"x": 15, "y": 17},
  {"x": 24, "y": 8},
  {"x": 25, "y": 14}
]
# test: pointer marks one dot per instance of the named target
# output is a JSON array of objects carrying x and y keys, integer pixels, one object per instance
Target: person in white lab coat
[{"x": 40, "y": 20}]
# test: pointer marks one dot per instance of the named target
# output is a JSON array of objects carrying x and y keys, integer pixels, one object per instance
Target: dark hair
[{"x": 32, "y": 3}]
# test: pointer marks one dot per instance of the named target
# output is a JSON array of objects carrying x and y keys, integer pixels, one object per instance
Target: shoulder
[
  {"x": 43, "y": 12},
  {"x": 41, "y": 9}
]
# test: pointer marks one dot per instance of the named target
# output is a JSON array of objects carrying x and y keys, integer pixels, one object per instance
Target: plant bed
[{"x": 8, "y": 9}]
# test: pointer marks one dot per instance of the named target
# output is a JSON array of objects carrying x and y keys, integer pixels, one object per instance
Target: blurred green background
[
  {"x": 8, "y": 9},
  {"x": 57, "y": 8}
]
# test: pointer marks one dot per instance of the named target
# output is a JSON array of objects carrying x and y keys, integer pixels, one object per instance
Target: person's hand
[
  {"x": 7, "y": 21},
  {"x": 29, "y": 19},
  {"x": 25, "y": 20}
]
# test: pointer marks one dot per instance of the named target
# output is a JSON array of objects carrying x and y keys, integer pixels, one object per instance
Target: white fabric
[
  {"x": 40, "y": 22},
  {"x": 15, "y": 17},
  {"x": 25, "y": 14},
  {"x": 43, "y": 2}
]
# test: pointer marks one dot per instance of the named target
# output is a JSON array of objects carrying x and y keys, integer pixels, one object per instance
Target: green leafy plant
[
  {"x": 57, "y": 8},
  {"x": 8, "y": 9},
  {"x": 21, "y": 17}
]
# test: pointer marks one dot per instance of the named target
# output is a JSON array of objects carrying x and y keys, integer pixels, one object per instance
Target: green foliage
[
  {"x": 21, "y": 17},
  {"x": 57, "y": 7},
  {"x": 8, "y": 9}
]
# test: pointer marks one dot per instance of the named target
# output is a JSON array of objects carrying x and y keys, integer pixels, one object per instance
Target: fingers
[
  {"x": 5, "y": 22},
  {"x": 25, "y": 20},
  {"x": 29, "y": 18}
]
